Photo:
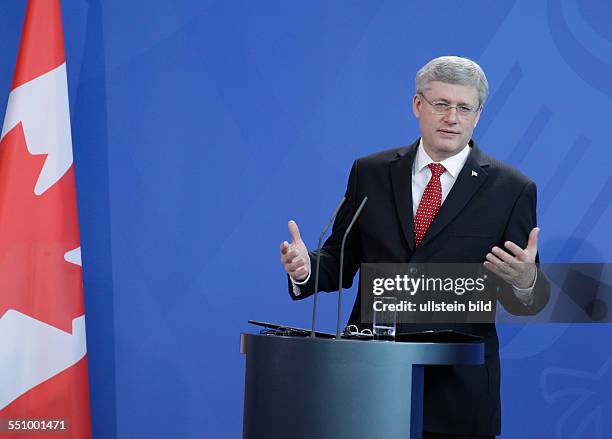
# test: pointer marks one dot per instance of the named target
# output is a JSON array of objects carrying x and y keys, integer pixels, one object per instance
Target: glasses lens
[{"x": 440, "y": 107}]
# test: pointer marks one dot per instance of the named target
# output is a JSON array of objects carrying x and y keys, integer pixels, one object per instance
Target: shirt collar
[{"x": 452, "y": 164}]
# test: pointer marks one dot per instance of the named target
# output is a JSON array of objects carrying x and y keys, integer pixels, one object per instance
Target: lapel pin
[{"x": 474, "y": 174}]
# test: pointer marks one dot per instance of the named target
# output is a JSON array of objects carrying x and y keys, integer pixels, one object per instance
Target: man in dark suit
[{"x": 440, "y": 199}]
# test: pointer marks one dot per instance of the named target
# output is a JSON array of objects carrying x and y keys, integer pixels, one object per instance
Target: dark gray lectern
[{"x": 315, "y": 388}]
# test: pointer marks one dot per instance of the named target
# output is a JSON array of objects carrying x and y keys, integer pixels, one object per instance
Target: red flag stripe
[{"x": 42, "y": 41}]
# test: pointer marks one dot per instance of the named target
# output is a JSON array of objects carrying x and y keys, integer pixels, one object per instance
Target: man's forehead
[{"x": 452, "y": 92}]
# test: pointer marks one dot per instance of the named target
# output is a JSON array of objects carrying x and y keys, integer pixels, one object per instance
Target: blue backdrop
[{"x": 201, "y": 127}]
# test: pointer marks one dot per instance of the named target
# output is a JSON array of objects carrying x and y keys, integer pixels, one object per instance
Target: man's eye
[
  {"x": 440, "y": 106},
  {"x": 464, "y": 109}
]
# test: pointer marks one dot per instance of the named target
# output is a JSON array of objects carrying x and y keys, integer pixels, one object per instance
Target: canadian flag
[{"x": 43, "y": 353}]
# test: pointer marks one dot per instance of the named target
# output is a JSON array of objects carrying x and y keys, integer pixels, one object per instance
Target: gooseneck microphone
[
  {"x": 348, "y": 229},
  {"x": 316, "y": 286}
]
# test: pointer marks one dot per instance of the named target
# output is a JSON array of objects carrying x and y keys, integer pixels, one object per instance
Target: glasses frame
[
  {"x": 353, "y": 330},
  {"x": 471, "y": 112}
]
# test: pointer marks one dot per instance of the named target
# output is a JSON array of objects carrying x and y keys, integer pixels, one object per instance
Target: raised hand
[
  {"x": 294, "y": 256},
  {"x": 516, "y": 265}
]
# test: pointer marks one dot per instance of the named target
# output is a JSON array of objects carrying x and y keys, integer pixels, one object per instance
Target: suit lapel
[
  {"x": 470, "y": 178},
  {"x": 401, "y": 181}
]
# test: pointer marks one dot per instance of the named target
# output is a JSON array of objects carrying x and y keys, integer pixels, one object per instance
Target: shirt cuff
[
  {"x": 525, "y": 295},
  {"x": 296, "y": 284}
]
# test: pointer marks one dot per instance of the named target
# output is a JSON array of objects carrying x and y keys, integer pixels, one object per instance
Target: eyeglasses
[
  {"x": 352, "y": 331},
  {"x": 441, "y": 107}
]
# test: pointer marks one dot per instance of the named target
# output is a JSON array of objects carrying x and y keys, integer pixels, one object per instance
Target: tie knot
[{"x": 437, "y": 169}]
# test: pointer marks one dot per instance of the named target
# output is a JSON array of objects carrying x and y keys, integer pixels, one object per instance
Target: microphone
[
  {"x": 348, "y": 229},
  {"x": 316, "y": 286}
]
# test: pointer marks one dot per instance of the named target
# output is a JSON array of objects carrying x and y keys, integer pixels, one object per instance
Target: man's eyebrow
[{"x": 466, "y": 104}]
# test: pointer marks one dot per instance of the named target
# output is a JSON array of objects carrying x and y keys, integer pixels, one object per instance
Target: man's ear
[{"x": 416, "y": 106}]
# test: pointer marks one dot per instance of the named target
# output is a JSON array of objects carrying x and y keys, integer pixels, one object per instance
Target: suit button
[{"x": 413, "y": 270}]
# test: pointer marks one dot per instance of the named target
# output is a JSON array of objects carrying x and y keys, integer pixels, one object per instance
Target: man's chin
[{"x": 447, "y": 148}]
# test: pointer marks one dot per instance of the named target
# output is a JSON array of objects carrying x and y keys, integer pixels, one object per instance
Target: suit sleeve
[
  {"x": 522, "y": 220},
  {"x": 329, "y": 272}
]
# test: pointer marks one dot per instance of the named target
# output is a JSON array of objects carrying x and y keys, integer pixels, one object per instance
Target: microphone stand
[
  {"x": 348, "y": 229},
  {"x": 316, "y": 287}
]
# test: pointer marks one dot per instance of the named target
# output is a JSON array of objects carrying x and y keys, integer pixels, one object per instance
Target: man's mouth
[{"x": 448, "y": 132}]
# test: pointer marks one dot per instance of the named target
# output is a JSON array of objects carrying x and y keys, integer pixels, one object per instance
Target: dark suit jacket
[{"x": 482, "y": 211}]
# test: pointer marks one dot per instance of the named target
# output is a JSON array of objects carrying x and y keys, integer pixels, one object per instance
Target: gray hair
[{"x": 453, "y": 70}]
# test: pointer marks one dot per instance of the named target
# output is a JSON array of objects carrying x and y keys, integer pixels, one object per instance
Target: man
[{"x": 440, "y": 199}]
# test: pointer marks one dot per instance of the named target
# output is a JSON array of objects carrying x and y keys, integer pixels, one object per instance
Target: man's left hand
[{"x": 515, "y": 265}]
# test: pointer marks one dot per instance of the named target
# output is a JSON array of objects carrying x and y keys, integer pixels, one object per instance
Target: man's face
[{"x": 445, "y": 134}]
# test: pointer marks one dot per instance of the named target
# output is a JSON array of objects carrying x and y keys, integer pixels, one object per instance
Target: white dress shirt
[{"x": 421, "y": 173}]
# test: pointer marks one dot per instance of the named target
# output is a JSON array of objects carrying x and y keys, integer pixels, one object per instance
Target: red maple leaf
[{"x": 35, "y": 233}]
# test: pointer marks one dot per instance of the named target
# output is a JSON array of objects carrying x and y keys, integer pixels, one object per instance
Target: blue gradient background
[{"x": 201, "y": 127}]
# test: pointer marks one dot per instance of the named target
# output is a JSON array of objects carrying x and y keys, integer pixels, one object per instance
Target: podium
[{"x": 318, "y": 388}]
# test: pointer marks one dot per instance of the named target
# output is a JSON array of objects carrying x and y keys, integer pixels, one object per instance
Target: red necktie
[{"x": 430, "y": 203}]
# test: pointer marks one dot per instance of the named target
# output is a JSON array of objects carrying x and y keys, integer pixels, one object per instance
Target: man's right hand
[{"x": 294, "y": 256}]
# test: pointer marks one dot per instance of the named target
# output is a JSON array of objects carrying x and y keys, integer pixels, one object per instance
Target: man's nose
[{"x": 451, "y": 115}]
